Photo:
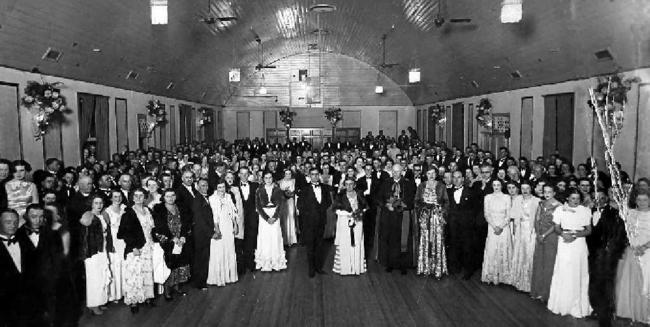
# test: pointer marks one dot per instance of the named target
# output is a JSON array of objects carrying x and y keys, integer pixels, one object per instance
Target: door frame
[{"x": 20, "y": 117}]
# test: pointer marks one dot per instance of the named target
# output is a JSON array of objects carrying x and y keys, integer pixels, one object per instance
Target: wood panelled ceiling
[{"x": 555, "y": 41}]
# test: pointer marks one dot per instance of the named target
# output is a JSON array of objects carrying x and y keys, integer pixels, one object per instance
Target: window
[{"x": 158, "y": 12}]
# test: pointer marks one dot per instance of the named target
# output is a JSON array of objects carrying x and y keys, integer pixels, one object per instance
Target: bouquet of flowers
[
  {"x": 397, "y": 204},
  {"x": 286, "y": 117},
  {"x": 333, "y": 115},
  {"x": 157, "y": 110},
  {"x": 206, "y": 117},
  {"x": 484, "y": 114},
  {"x": 45, "y": 102},
  {"x": 610, "y": 97},
  {"x": 438, "y": 114},
  {"x": 289, "y": 193}
]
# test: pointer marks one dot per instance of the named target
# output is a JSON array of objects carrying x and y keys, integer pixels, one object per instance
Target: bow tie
[
  {"x": 458, "y": 188},
  {"x": 32, "y": 231},
  {"x": 10, "y": 241},
  {"x": 316, "y": 185},
  {"x": 244, "y": 184}
]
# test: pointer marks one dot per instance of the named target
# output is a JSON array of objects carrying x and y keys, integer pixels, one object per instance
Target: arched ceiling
[{"x": 555, "y": 41}]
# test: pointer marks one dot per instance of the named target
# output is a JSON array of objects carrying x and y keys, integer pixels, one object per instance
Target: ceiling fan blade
[
  {"x": 460, "y": 20},
  {"x": 227, "y": 19}
]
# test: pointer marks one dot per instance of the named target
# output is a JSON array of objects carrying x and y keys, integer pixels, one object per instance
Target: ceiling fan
[
  {"x": 260, "y": 47},
  {"x": 209, "y": 19},
  {"x": 439, "y": 20},
  {"x": 384, "y": 64}
]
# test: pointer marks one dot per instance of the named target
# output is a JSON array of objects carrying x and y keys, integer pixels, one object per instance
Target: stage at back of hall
[{"x": 376, "y": 298}]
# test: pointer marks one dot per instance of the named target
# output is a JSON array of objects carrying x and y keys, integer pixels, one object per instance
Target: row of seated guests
[{"x": 434, "y": 209}]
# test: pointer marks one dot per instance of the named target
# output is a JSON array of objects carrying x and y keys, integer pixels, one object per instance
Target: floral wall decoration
[
  {"x": 333, "y": 115},
  {"x": 438, "y": 114},
  {"x": 156, "y": 110},
  {"x": 607, "y": 100},
  {"x": 45, "y": 103},
  {"x": 206, "y": 117},
  {"x": 286, "y": 117},
  {"x": 484, "y": 113}
]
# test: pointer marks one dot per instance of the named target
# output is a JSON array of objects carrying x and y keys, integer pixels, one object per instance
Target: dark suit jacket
[
  {"x": 314, "y": 214},
  {"x": 203, "y": 222},
  {"x": 15, "y": 287},
  {"x": 44, "y": 257},
  {"x": 375, "y": 187},
  {"x": 407, "y": 192},
  {"x": 161, "y": 228},
  {"x": 184, "y": 198},
  {"x": 466, "y": 209}
]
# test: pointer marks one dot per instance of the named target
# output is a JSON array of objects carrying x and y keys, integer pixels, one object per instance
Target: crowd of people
[{"x": 149, "y": 223}]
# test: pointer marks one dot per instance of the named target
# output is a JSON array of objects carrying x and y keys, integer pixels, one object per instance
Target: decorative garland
[
  {"x": 46, "y": 104},
  {"x": 286, "y": 117},
  {"x": 333, "y": 115},
  {"x": 484, "y": 114},
  {"x": 438, "y": 114},
  {"x": 608, "y": 101},
  {"x": 156, "y": 110}
]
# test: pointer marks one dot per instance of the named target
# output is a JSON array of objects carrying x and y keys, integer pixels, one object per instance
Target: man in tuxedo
[
  {"x": 126, "y": 184},
  {"x": 313, "y": 202},
  {"x": 396, "y": 232},
  {"x": 304, "y": 145},
  {"x": 245, "y": 247},
  {"x": 186, "y": 192},
  {"x": 15, "y": 260},
  {"x": 203, "y": 231},
  {"x": 104, "y": 186},
  {"x": 461, "y": 220},
  {"x": 504, "y": 155},
  {"x": 370, "y": 185}
]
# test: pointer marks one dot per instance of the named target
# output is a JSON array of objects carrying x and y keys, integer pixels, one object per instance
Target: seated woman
[
  {"x": 633, "y": 278},
  {"x": 350, "y": 255},
  {"x": 569, "y": 292}
]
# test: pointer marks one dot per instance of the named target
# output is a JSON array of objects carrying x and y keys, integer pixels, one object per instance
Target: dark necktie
[
  {"x": 10, "y": 241},
  {"x": 32, "y": 231}
]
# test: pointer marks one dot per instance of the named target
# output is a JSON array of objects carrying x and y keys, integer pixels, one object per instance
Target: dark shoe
[
  {"x": 389, "y": 269},
  {"x": 403, "y": 271},
  {"x": 96, "y": 311},
  {"x": 134, "y": 309}
]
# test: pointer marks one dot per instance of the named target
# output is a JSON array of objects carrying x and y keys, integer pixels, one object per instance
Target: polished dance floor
[{"x": 377, "y": 298}]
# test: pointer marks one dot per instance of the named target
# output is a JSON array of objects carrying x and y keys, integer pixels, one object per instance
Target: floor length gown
[
  {"x": 569, "y": 294},
  {"x": 497, "y": 257},
  {"x": 98, "y": 273},
  {"x": 138, "y": 283},
  {"x": 432, "y": 256},
  {"x": 350, "y": 252},
  {"x": 524, "y": 244},
  {"x": 222, "y": 269},
  {"x": 116, "y": 258},
  {"x": 289, "y": 217},
  {"x": 544, "y": 257},
  {"x": 633, "y": 277},
  {"x": 270, "y": 254}
]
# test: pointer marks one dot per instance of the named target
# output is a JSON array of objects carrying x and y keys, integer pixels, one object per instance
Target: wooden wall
[{"x": 344, "y": 82}]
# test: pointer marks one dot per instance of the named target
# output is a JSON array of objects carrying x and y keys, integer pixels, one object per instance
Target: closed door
[
  {"x": 93, "y": 123},
  {"x": 243, "y": 125},
  {"x": 558, "y": 125},
  {"x": 526, "y": 136},
  {"x": 388, "y": 123},
  {"x": 642, "y": 135},
  {"x": 10, "y": 122},
  {"x": 121, "y": 124}
]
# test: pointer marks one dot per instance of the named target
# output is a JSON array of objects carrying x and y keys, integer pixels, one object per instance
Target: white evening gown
[
  {"x": 117, "y": 257},
  {"x": 290, "y": 212},
  {"x": 269, "y": 254},
  {"x": 497, "y": 258},
  {"x": 570, "y": 282},
  {"x": 524, "y": 243},
  {"x": 222, "y": 269},
  {"x": 349, "y": 259}
]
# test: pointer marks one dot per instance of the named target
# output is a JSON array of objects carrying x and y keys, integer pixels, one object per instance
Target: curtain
[
  {"x": 86, "y": 117},
  {"x": 101, "y": 127}
]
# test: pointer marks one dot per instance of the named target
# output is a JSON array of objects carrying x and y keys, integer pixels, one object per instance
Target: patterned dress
[
  {"x": 432, "y": 258},
  {"x": 524, "y": 243},
  {"x": 350, "y": 253},
  {"x": 179, "y": 274},
  {"x": 544, "y": 257},
  {"x": 138, "y": 270},
  {"x": 19, "y": 196},
  {"x": 497, "y": 257}
]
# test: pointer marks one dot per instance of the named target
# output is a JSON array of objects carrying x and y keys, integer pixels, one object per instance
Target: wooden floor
[{"x": 377, "y": 298}]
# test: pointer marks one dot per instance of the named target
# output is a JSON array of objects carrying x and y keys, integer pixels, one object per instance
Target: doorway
[
  {"x": 558, "y": 125},
  {"x": 93, "y": 124}
]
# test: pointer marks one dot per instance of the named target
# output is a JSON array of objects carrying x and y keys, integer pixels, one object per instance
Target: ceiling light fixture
[
  {"x": 414, "y": 75},
  {"x": 158, "y": 12},
  {"x": 379, "y": 89},
  {"x": 262, "y": 91},
  {"x": 511, "y": 11},
  {"x": 322, "y": 8},
  {"x": 234, "y": 75}
]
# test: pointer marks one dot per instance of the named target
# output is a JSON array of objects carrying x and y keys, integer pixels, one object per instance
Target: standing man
[
  {"x": 126, "y": 184},
  {"x": 461, "y": 217},
  {"x": 370, "y": 185},
  {"x": 203, "y": 232},
  {"x": 313, "y": 202},
  {"x": 245, "y": 247},
  {"x": 396, "y": 236}
]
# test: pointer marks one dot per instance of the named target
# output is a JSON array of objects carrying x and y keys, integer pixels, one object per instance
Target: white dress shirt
[
  {"x": 34, "y": 237},
  {"x": 14, "y": 252},
  {"x": 369, "y": 183},
  {"x": 317, "y": 192},
  {"x": 457, "y": 194},
  {"x": 245, "y": 190},
  {"x": 189, "y": 189}
]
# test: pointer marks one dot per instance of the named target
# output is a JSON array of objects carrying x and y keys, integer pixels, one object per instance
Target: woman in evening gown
[
  {"x": 498, "y": 244},
  {"x": 269, "y": 254},
  {"x": 113, "y": 213},
  {"x": 633, "y": 277},
  {"x": 20, "y": 191},
  {"x": 569, "y": 294},
  {"x": 431, "y": 204},
  {"x": 546, "y": 246},
  {"x": 524, "y": 243},
  {"x": 350, "y": 254},
  {"x": 288, "y": 218},
  {"x": 222, "y": 269}
]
